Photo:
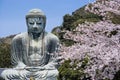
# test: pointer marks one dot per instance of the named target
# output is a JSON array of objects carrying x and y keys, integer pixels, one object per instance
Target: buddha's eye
[
  {"x": 31, "y": 23},
  {"x": 39, "y": 23}
]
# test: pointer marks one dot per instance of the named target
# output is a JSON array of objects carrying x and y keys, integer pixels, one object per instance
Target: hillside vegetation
[
  {"x": 5, "y": 50},
  {"x": 90, "y": 39}
]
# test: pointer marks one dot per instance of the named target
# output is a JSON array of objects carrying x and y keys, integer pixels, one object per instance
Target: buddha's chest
[
  {"x": 35, "y": 47},
  {"x": 36, "y": 51}
]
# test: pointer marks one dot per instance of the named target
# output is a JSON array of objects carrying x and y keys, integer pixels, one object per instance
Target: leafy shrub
[
  {"x": 5, "y": 55},
  {"x": 78, "y": 17},
  {"x": 70, "y": 70},
  {"x": 111, "y": 33},
  {"x": 117, "y": 76},
  {"x": 114, "y": 18},
  {"x": 67, "y": 42},
  {"x": 56, "y": 30},
  {"x": 67, "y": 21}
]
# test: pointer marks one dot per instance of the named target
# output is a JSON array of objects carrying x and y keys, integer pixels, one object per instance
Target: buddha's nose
[{"x": 35, "y": 25}]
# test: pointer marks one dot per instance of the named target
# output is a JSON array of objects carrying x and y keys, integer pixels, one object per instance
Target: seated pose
[{"x": 34, "y": 53}]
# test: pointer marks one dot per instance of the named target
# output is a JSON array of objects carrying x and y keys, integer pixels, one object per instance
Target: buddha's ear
[
  {"x": 44, "y": 19},
  {"x": 44, "y": 25},
  {"x": 27, "y": 22}
]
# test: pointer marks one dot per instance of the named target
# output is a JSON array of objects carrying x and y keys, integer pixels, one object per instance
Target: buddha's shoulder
[
  {"x": 20, "y": 36},
  {"x": 51, "y": 36}
]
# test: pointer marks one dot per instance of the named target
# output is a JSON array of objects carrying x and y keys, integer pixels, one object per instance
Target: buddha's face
[{"x": 35, "y": 24}]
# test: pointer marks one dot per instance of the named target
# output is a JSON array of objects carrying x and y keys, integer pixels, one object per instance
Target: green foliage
[
  {"x": 5, "y": 55},
  {"x": 114, "y": 18},
  {"x": 60, "y": 35},
  {"x": 67, "y": 42},
  {"x": 80, "y": 21},
  {"x": 90, "y": 6},
  {"x": 69, "y": 70},
  {"x": 85, "y": 16},
  {"x": 67, "y": 21},
  {"x": 114, "y": 32},
  {"x": 117, "y": 76},
  {"x": 70, "y": 22},
  {"x": 56, "y": 30},
  {"x": 82, "y": 14},
  {"x": 79, "y": 17}
]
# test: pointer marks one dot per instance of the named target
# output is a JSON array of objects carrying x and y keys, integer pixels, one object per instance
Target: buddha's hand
[
  {"x": 34, "y": 68},
  {"x": 20, "y": 66}
]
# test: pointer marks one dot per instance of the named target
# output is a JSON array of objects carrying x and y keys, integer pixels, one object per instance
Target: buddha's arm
[
  {"x": 53, "y": 48},
  {"x": 17, "y": 53}
]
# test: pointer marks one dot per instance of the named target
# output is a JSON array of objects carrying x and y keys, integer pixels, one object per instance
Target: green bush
[
  {"x": 78, "y": 17},
  {"x": 68, "y": 71},
  {"x": 114, "y": 17},
  {"x": 5, "y": 55},
  {"x": 67, "y": 42},
  {"x": 56, "y": 30},
  {"x": 117, "y": 76},
  {"x": 67, "y": 21},
  {"x": 112, "y": 33}
]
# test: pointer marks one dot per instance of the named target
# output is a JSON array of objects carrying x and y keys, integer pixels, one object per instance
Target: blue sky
[{"x": 12, "y": 13}]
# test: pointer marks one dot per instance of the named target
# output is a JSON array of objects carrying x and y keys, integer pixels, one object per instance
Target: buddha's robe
[{"x": 36, "y": 58}]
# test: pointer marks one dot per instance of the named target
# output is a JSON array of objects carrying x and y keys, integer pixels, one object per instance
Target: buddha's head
[{"x": 36, "y": 21}]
